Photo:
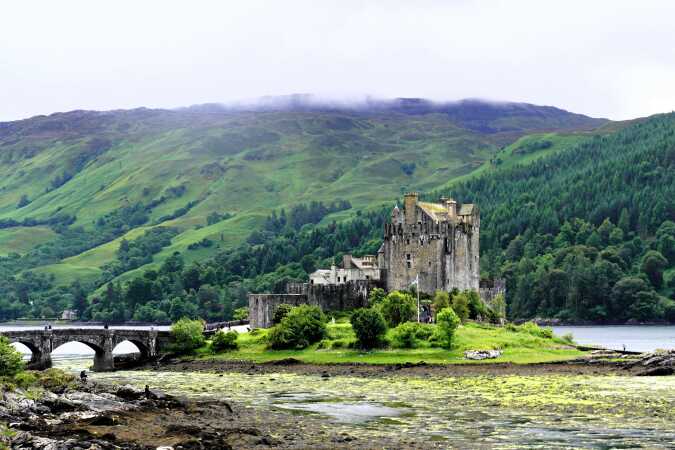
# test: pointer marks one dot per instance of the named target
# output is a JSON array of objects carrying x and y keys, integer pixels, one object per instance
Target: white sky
[{"x": 609, "y": 58}]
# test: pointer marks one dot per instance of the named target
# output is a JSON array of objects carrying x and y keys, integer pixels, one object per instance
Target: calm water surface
[{"x": 638, "y": 338}]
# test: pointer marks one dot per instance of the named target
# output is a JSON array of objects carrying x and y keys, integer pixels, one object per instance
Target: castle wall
[{"x": 351, "y": 295}]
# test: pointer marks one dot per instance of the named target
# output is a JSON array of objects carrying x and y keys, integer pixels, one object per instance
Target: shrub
[
  {"x": 223, "y": 341},
  {"x": 476, "y": 306},
  {"x": 55, "y": 380},
  {"x": 397, "y": 307},
  {"x": 441, "y": 300},
  {"x": 11, "y": 361},
  {"x": 460, "y": 305},
  {"x": 369, "y": 327},
  {"x": 376, "y": 296},
  {"x": 188, "y": 335},
  {"x": 535, "y": 330},
  {"x": 281, "y": 312},
  {"x": 25, "y": 379},
  {"x": 446, "y": 324},
  {"x": 409, "y": 334},
  {"x": 302, "y": 326},
  {"x": 240, "y": 314}
]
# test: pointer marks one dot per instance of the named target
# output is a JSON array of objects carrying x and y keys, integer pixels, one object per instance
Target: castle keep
[
  {"x": 435, "y": 245},
  {"x": 438, "y": 242}
]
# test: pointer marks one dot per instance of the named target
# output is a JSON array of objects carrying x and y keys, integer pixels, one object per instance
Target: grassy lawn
[{"x": 518, "y": 347}]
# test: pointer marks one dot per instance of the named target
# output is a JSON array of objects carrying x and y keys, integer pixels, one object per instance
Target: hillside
[
  {"x": 585, "y": 233},
  {"x": 76, "y": 185}
]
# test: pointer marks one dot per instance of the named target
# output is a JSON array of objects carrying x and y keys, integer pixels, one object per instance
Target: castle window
[
  {"x": 367, "y": 277},
  {"x": 408, "y": 261}
]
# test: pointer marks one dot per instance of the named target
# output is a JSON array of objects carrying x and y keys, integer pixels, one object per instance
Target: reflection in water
[{"x": 512, "y": 411}]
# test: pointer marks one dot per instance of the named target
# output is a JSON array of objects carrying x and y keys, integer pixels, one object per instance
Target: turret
[
  {"x": 409, "y": 204},
  {"x": 451, "y": 206}
]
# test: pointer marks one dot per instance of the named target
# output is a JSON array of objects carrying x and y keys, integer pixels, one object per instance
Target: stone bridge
[{"x": 102, "y": 340}]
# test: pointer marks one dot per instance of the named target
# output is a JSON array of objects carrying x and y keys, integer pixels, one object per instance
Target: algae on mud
[{"x": 504, "y": 412}]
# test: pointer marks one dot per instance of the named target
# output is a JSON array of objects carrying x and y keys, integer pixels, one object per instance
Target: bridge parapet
[{"x": 101, "y": 340}]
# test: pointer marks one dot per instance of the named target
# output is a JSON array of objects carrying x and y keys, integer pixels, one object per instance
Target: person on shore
[{"x": 83, "y": 376}]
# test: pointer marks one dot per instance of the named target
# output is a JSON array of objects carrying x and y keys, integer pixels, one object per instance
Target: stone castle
[{"x": 432, "y": 245}]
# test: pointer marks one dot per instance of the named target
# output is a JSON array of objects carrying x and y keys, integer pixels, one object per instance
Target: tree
[
  {"x": 460, "y": 305},
  {"x": 446, "y": 323},
  {"x": 625, "y": 293},
  {"x": 23, "y": 201},
  {"x": 369, "y": 327},
  {"x": 11, "y": 361},
  {"x": 376, "y": 296},
  {"x": 188, "y": 335},
  {"x": 653, "y": 264},
  {"x": 397, "y": 307},
  {"x": 303, "y": 326},
  {"x": 441, "y": 300},
  {"x": 224, "y": 341},
  {"x": 240, "y": 314},
  {"x": 281, "y": 312}
]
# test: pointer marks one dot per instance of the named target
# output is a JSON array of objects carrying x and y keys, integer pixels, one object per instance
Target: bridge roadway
[{"x": 102, "y": 340}]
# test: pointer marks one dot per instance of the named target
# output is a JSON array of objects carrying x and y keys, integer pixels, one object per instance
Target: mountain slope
[{"x": 86, "y": 181}]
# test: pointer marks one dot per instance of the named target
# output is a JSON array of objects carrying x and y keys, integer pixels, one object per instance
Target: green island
[{"x": 519, "y": 344}]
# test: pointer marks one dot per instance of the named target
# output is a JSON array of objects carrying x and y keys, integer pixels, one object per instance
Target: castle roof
[
  {"x": 466, "y": 209},
  {"x": 436, "y": 211}
]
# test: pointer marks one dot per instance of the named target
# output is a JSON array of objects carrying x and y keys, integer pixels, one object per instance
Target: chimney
[
  {"x": 409, "y": 204},
  {"x": 451, "y": 206}
]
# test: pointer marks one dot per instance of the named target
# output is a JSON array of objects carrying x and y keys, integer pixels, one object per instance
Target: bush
[
  {"x": 281, "y": 312},
  {"x": 535, "y": 330},
  {"x": 55, "y": 380},
  {"x": 460, "y": 305},
  {"x": 240, "y": 314},
  {"x": 302, "y": 326},
  {"x": 223, "y": 341},
  {"x": 369, "y": 327},
  {"x": 11, "y": 361},
  {"x": 409, "y": 334},
  {"x": 441, "y": 300},
  {"x": 25, "y": 379},
  {"x": 446, "y": 324},
  {"x": 188, "y": 335},
  {"x": 397, "y": 307},
  {"x": 376, "y": 296}
]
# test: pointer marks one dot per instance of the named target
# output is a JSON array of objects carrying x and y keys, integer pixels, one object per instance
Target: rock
[
  {"x": 129, "y": 392},
  {"x": 657, "y": 372},
  {"x": 285, "y": 362},
  {"x": 482, "y": 354}
]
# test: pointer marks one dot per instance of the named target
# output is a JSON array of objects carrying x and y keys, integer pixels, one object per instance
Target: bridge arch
[{"x": 101, "y": 340}]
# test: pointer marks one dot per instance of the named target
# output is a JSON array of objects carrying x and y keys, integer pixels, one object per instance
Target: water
[{"x": 638, "y": 338}]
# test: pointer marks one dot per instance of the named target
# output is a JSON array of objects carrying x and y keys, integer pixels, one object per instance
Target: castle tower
[{"x": 409, "y": 205}]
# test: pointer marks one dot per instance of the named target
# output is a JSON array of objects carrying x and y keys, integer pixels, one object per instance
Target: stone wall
[
  {"x": 489, "y": 290},
  {"x": 261, "y": 307}
]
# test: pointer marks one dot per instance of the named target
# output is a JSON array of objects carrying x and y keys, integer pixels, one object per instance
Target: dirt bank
[{"x": 584, "y": 366}]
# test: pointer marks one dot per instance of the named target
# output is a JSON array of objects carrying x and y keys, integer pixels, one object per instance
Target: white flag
[{"x": 416, "y": 281}]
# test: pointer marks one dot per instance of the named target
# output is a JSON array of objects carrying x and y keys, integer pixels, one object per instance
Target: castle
[{"x": 433, "y": 245}]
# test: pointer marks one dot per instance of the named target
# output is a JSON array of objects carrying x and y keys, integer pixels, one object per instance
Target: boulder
[
  {"x": 482, "y": 354},
  {"x": 129, "y": 392}
]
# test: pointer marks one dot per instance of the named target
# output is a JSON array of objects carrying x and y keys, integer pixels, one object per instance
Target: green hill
[{"x": 75, "y": 185}]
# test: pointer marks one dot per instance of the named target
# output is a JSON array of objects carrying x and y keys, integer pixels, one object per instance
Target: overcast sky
[{"x": 612, "y": 59}]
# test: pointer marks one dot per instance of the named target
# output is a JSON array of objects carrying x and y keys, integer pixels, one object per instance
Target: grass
[
  {"x": 22, "y": 239},
  {"x": 519, "y": 347}
]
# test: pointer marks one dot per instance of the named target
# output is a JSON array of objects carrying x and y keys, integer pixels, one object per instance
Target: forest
[{"x": 586, "y": 234}]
